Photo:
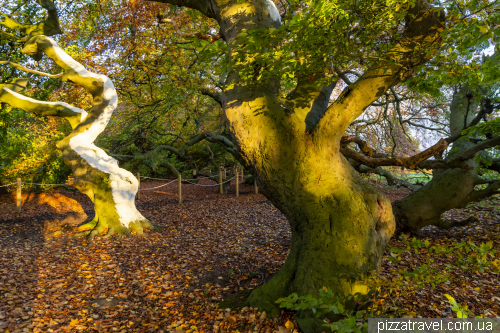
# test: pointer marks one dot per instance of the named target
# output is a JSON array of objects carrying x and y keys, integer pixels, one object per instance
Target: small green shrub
[{"x": 327, "y": 303}]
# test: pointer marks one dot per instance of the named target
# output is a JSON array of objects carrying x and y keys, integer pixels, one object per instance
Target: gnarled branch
[
  {"x": 216, "y": 96},
  {"x": 60, "y": 109},
  {"x": 421, "y": 41},
  {"x": 413, "y": 162}
]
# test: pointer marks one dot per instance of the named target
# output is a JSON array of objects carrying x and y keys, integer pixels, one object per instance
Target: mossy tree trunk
[
  {"x": 111, "y": 189},
  {"x": 340, "y": 224}
]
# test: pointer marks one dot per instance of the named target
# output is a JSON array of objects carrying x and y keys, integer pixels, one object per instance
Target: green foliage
[
  {"x": 426, "y": 274},
  {"x": 461, "y": 311},
  {"x": 28, "y": 148},
  {"x": 326, "y": 304},
  {"x": 470, "y": 30},
  {"x": 304, "y": 43},
  {"x": 469, "y": 257},
  {"x": 476, "y": 259}
]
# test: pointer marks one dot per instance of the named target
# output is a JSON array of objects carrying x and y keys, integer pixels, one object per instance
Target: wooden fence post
[
  {"x": 139, "y": 186},
  {"x": 237, "y": 183},
  {"x": 255, "y": 185},
  {"x": 19, "y": 202},
  {"x": 220, "y": 181},
  {"x": 225, "y": 175},
  {"x": 179, "y": 182}
]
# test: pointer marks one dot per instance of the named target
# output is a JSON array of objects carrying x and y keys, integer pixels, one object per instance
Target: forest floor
[{"x": 214, "y": 248}]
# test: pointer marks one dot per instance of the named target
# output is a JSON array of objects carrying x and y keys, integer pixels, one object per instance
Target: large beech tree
[{"x": 340, "y": 224}]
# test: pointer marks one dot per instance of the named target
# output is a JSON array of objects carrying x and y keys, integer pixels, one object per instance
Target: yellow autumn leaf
[{"x": 289, "y": 324}]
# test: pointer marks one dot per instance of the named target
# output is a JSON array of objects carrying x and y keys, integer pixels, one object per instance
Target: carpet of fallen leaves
[{"x": 213, "y": 248}]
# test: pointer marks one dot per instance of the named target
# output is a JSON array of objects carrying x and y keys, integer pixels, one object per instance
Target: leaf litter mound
[{"x": 192, "y": 275}]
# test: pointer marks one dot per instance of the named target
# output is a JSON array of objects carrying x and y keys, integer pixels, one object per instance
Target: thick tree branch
[
  {"x": 60, "y": 109},
  {"x": 310, "y": 98},
  {"x": 469, "y": 153},
  {"x": 16, "y": 85},
  {"x": 73, "y": 70},
  {"x": 216, "y": 96},
  {"x": 491, "y": 189},
  {"x": 420, "y": 41},
  {"x": 391, "y": 179},
  {"x": 362, "y": 144},
  {"x": 372, "y": 159},
  {"x": 413, "y": 162},
  {"x": 320, "y": 105}
]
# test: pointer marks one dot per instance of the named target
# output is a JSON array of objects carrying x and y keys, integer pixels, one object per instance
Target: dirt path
[{"x": 213, "y": 246}]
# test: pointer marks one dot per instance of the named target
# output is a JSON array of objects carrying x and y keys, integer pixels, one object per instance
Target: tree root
[
  {"x": 98, "y": 228},
  {"x": 88, "y": 226},
  {"x": 82, "y": 234},
  {"x": 111, "y": 232},
  {"x": 146, "y": 224},
  {"x": 445, "y": 225}
]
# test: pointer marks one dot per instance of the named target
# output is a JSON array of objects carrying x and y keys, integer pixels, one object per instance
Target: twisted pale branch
[{"x": 60, "y": 109}]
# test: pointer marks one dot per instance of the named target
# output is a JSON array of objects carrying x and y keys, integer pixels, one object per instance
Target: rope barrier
[
  {"x": 142, "y": 189},
  {"x": 212, "y": 184},
  {"x": 152, "y": 188},
  {"x": 203, "y": 177},
  {"x": 183, "y": 179},
  {"x": 45, "y": 184},
  {"x": 154, "y": 178}
]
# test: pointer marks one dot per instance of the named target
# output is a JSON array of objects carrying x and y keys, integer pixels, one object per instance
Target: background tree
[
  {"x": 472, "y": 131},
  {"x": 96, "y": 174}
]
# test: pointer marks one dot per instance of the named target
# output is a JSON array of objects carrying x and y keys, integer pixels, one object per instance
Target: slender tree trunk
[{"x": 111, "y": 189}]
